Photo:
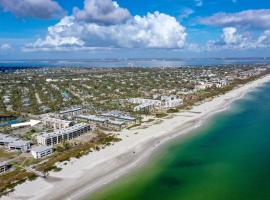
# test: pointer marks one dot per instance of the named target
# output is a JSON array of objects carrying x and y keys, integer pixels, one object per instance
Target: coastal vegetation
[
  {"x": 38, "y": 91},
  {"x": 64, "y": 152},
  {"x": 34, "y": 92}
]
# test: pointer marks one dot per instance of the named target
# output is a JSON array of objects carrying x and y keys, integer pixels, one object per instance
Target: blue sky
[{"x": 129, "y": 28}]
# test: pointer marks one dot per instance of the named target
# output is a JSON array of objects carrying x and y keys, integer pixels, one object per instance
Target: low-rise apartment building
[
  {"x": 20, "y": 145},
  {"x": 13, "y": 143},
  {"x": 58, "y": 136},
  {"x": 165, "y": 102},
  {"x": 118, "y": 115},
  {"x": 71, "y": 112},
  {"x": 56, "y": 123},
  {"x": 107, "y": 121},
  {"x": 170, "y": 101},
  {"x": 41, "y": 151},
  {"x": 93, "y": 119},
  {"x": 156, "y": 103}
]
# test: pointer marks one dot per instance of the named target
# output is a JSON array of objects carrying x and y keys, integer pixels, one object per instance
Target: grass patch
[
  {"x": 57, "y": 169},
  {"x": 10, "y": 179},
  {"x": 161, "y": 115},
  {"x": 6, "y": 155},
  {"x": 173, "y": 110},
  {"x": 133, "y": 126}
]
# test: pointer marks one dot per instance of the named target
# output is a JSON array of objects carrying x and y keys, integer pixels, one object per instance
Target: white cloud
[
  {"x": 231, "y": 38},
  {"x": 264, "y": 39},
  {"x": 155, "y": 30},
  {"x": 193, "y": 47},
  {"x": 248, "y": 19},
  {"x": 238, "y": 29},
  {"x": 43, "y": 9},
  {"x": 102, "y": 12},
  {"x": 186, "y": 13},
  {"x": 199, "y": 3},
  {"x": 4, "y": 47}
]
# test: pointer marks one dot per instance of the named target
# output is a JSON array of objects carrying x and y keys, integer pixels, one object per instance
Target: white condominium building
[
  {"x": 58, "y": 136},
  {"x": 156, "y": 103},
  {"x": 170, "y": 101},
  {"x": 56, "y": 123},
  {"x": 166, "y": 102},
  {"x": 145, "y": 106},
  {"x": 41, "y": 151}
]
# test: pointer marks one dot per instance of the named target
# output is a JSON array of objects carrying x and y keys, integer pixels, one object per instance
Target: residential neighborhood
[{"x": 51, "y": 114}]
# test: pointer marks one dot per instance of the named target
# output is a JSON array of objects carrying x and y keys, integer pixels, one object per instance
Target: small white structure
[
  {"x": 31, "y": 123},
  {"x": 6, "y": 99},
  {"x": 41, "y": 151}
]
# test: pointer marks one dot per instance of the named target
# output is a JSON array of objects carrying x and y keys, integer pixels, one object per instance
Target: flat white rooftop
[{"x": 41, "y": 148}]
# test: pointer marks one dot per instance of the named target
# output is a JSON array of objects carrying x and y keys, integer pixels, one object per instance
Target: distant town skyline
[{"x": 52, "y": 29}]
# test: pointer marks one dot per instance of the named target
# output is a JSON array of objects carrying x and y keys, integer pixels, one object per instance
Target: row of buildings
[
  {"x": 71, "y": 112},
  {"x": 113, "y": 120},
  {"x": 69, "y": 133},
  {"x": 63, "y": 130},
  {"x": 41, "y": 151},
  {"x": 13, "y": 143},
  {"x": 165, "y": 102},
  {"x": 37, "y": 152},
  {"x": 58, "y": 129},
  {"x": 55, "y": 123}
]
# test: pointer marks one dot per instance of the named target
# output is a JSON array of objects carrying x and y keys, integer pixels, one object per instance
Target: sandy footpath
[{"x": 82, "y": 176}]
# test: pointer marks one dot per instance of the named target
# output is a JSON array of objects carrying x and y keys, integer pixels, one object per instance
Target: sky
[{"x": 89, "y": 29}]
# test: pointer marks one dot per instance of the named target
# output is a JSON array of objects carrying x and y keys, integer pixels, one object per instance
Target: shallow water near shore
[{"x": 228, "y": 158}]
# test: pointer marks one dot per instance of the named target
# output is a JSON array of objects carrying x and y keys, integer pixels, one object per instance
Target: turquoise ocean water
[{"x": 226, "y": 159}]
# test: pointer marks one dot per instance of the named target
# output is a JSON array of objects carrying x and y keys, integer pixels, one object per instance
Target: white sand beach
[{"x": 80, "y": 177}]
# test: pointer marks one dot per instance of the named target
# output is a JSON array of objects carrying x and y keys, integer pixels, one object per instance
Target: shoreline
[{"x": 81, "y": 177}]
